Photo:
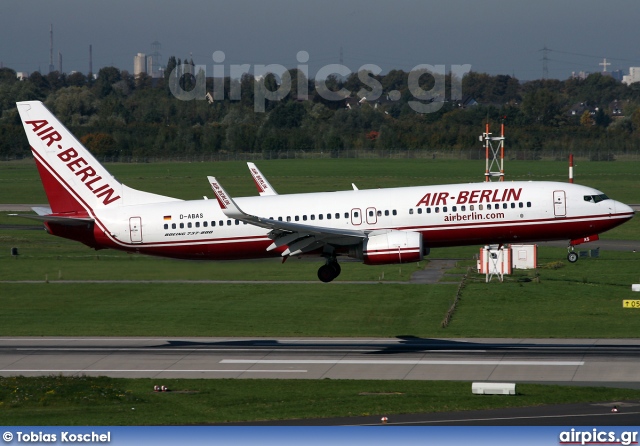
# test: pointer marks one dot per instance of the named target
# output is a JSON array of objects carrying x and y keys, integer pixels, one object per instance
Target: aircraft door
[
  {"x": 372, "y": 216},
  {"x": 356, "y": 216},
  {"x": 559, "y": 203},
  {"x": 135, "y": 229}
]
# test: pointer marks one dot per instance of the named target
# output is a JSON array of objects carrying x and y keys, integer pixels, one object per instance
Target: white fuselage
[{"x": 445, "y": 215}]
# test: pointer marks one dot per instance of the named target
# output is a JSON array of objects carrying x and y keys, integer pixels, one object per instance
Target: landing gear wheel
[
  {"x": 329, "y": 271},
  {"x": 572, "y": 257},
  {"x": 326, "y": 274}
]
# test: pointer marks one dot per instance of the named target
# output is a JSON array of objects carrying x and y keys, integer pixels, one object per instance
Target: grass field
[
  {"x": 109, "y": 401},
  {"x": 557, "y": 300},
  {"x": 19, "y": 182}
]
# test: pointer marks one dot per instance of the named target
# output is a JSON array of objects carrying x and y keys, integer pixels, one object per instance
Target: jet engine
[{"x": 385, "y": 247}]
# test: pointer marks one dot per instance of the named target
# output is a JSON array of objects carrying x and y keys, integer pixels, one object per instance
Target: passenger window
[
  {"x": 328, "y": 216},
  {"x": 379, "y": 213},
  {"x": 480, "y": 207},
  {"x": 428, "y": 210},
  {"x": 189, "y": 225},
  {"x": 304, "y": 218},
  {"x": 520, "y": 205},
  {"x": 166, "y": 226},
  {"x": 454, "y": 208},
  {"x": 313, "y": 217},
  {"x": 228, "y": 222},
  {"x": 346, "y": 215},
  {"x": 410, "y": 211},
  {"x": 320, "y": 216},
  {"x": 528, "y": 204},
  {"x": 356, "y": 214},
  {"x": 419, "y": 210},
  {"x": 221, "y": 223},
  {"x": 297, "y": 218},
  {"x": 488, "y": 206},
  {"x": 181, "y": 225},
  {"x": 279, "y": 218},
  {"x": 288, "y": 218},
  {"x": 213, "y": 223},
  {"x": 197, "y": 224},
  {"x": 394, "y": 212},
  {"x": 471, "y": 207},
  {"x": 173, "y": 225},
  {"x": 386, "y": 213},
  {"x": 237, "y": 222},
  {"x": 513, "y": 205},
  {"x": 463, "y": 208},
  {"x": 504, "y": 205},
  {"x": 205, "y": 224},
  {"x": 437, "y": 209},
  {"x": 444, "y": 209}
]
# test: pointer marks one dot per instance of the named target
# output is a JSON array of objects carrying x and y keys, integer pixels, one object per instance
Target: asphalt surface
[
  {"x": 580, "y": 362},
  {"x": 561, "y": 361}
]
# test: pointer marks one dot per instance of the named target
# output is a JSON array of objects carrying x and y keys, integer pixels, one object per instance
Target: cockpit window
[{"x": 595, "y": 198}]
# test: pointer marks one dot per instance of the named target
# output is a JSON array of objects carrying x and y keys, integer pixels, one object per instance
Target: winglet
[
  {"x": 264, "y": 187},
  {"x": 228, "y": 206}
]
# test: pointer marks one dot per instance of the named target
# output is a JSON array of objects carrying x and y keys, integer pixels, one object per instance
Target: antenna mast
[{"x": 493, "y": 153}]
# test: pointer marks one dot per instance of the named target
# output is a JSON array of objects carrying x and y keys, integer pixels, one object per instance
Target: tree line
[{"x": 119, "y": 116}]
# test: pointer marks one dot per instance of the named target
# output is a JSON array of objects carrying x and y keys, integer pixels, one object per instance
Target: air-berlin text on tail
[
  {"x": 221, "y": 196},
  {"x": 470, "y": 197},
  {"x": 76, "y": 164},
  {"x": 258, "y": 180}
]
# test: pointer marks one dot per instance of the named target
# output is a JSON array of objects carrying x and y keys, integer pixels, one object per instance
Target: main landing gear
[{"x": 330, "y": 270}]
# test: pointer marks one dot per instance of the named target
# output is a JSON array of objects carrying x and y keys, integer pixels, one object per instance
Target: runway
[{"x": 609, "y": 362}]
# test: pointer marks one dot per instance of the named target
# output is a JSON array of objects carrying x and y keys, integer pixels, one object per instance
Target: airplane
[{"x": 375, "y": 226}]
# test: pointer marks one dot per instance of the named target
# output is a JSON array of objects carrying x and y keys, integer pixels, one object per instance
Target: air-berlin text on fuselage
[
  {"x": 78, "y": 165},
  {"x": 470, "y": 197}
]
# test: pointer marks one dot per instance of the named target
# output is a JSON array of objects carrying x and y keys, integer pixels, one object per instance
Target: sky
[{"x": 492, "y": 36}]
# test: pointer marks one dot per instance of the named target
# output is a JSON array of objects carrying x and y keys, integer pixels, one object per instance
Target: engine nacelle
[{"x": 385, "y": 247}]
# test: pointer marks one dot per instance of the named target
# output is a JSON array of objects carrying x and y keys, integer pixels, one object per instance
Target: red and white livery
[{"x": 377, "y": 226}]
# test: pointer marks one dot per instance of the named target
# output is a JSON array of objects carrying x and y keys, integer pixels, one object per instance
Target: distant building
[
  {"x": 22, "y": 75},
  {"x": 466, "y": 101},
  {"x": 616, "y": 108},
  {"x": 633, "y": 76},
  {"x": 617, "y": 75},
  {"x": 139, "y": 64},
  {"x": 578, "y": 109}
]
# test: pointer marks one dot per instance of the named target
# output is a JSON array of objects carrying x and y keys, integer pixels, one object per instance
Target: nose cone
[{"x": 622, "y": 208}]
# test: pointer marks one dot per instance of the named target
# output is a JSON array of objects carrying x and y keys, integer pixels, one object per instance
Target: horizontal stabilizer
[
  {"x": 42, "y": 211},
  {"x": 69, "y": 221}
]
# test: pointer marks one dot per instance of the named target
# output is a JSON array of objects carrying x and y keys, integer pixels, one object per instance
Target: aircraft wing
[{"x": 299, "y": 238}]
